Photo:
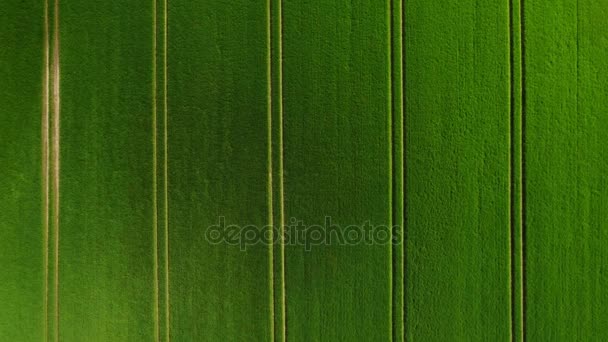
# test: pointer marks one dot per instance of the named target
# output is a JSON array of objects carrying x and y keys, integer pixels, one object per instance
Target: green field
[{"x": 303, "y": 170}]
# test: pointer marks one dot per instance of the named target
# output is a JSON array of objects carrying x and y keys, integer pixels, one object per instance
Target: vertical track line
[
  {"x": 269, "y": 188},
  {"x": 403, "y": 147},
  {"x": 512, "y": 176},
  {"x": 56, "y": 159},
  {"x": 276, "y": 166},
  {"x": 45, "y": 166},
  {"x": 155, "y": 175},
  {"x": 402, "y": 165},
  {"x": 281, "y": 173},
  {"x": 522, "y": 166},
  {"x": 276, "y": 153},
  {"x": 165, "y": 172}
]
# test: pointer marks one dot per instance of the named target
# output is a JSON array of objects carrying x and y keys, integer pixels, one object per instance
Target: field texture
[{"x": 303, "y": 170}]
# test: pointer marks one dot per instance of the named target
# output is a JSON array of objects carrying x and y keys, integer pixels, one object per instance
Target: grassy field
[
  {"x": 218, "y": 166},
  {"x": 337, "y": 164},
  {"x": 106, "y": 227},
  {"x": 457, "y": 99},
  {"x": 469, "y": 133},
  {"x": 566, "y": 98},
  {"x": 22, "y": 174}
]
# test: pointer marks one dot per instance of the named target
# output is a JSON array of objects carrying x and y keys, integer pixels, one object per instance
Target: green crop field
[{"x": 303, "y": 170}]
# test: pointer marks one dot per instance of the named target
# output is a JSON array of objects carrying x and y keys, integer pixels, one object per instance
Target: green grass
[
  {"x": 22, "y": 280},
  {"x": 566, "y": 64},
  {"x": 337, "y": 155},
  {"x": 218, "y": 152},
  {"x": 106, "y": 242},
  {"x": 457, "y": 171},
  {"x": 476, "y": 128}
]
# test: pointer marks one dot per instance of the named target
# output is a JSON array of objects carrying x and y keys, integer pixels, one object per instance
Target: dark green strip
[
  {"x": 398, "y": 222},
  {"x": 337, "y": 167},
  {"x": 106, "y": 227},
  {"x": 22, "y": 218},
  {"x": 218, "y": 166}
]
